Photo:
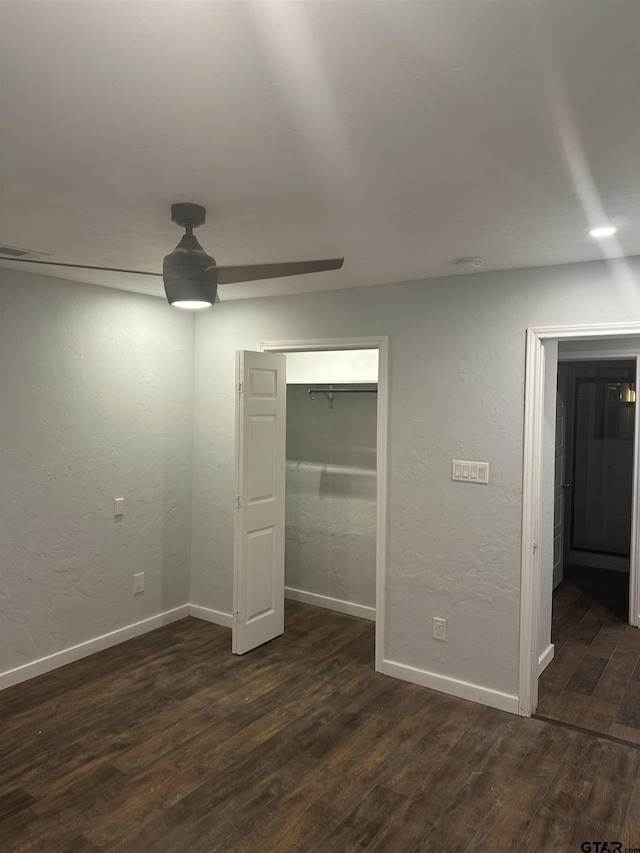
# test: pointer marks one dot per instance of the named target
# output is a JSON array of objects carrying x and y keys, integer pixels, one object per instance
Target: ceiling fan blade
[
  {"x": 256, "y": 272},
  {"x": 79, "y": 266}
]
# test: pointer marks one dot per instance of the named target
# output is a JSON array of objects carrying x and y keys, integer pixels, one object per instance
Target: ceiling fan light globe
[
  {"x": 191, "y": 304},
  {"x": 190, "y": 292}
]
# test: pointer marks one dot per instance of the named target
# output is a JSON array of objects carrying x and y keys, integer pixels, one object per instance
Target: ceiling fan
[{"x": 191, "y": 277}]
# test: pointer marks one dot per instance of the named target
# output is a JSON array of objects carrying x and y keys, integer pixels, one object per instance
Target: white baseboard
[
  {"x": 452, "y": 686},
  {"x": 209, "y": 615},
  {"x": 545, "y": 658},
  {"x": 90, "y": 647},
  {"x": 329, "y": 603}
]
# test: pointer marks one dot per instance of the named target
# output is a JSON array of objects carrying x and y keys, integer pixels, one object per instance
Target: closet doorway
[{"x": 336, "y": 475}]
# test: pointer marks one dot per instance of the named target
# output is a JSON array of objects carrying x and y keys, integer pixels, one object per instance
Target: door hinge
[
  {"x": 236, "y": 615},
  {"x": 238, "y": 500},
  {"x": 240, "y": 387},
  {"x": 535, "y": 548}
]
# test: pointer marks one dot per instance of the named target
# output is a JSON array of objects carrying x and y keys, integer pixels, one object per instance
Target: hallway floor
[{"x": 593, "y": 682}]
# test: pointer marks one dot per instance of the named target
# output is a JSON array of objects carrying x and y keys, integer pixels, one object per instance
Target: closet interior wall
[{"x": 331, "y": 496}]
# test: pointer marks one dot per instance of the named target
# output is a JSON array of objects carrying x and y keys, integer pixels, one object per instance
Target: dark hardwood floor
[
  {"x": 170, "y": 743},
  {"x": 594, "y": 680}
]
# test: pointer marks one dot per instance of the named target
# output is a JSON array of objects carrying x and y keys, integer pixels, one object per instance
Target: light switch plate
[
  {"x": 463, "y": 471},
  {"x": 118, "y": 507}
]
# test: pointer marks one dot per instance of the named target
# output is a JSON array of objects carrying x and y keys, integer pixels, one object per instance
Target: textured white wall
[
  {"x": 456, "y": 380},
  {"x": 96, "y": 394},
  {"x": 331, "y": 495}
]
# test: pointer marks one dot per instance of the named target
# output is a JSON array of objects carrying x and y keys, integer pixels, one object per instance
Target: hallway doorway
[
  {"x": 593, "y": 681},
  {"x": 539, "y": 500}
]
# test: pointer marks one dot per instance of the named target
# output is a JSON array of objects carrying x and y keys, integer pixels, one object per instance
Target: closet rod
[
  {"x": 328, "y": 392},
  {"x": 342, "y": 390}
]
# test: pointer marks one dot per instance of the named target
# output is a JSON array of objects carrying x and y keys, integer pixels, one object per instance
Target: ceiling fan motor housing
[{"x": 189, "y": 273}]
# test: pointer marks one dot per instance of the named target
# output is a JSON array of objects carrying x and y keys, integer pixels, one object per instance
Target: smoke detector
[{"x": 468, "y": 264}]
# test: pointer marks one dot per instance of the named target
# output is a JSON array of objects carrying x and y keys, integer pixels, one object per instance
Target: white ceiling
[{"x": 401, "y": 135}]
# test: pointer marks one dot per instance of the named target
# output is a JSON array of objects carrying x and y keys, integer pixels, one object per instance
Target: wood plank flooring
[
  {"x": 594, "y": 680},
  {"x": 170, "y": 743}
]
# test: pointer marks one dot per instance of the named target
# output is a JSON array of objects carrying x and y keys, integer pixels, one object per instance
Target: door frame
[
  {"x": 381, "y": 343},
  {"x": 531, "y": 575}
]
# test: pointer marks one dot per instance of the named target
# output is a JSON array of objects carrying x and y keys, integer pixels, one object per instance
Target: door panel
[
  {"x": 260, "y": 560},
  {"x": 260, "y": 486},
  {"x": 258, "y": 589}
]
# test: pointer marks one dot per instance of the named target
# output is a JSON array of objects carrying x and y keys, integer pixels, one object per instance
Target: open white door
[{"x": 258, "y": 575}]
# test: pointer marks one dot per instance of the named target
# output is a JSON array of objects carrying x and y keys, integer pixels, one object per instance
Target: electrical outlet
[
  {"x": 439, "y": 628},
  {"x": 138, "y": 583},
  {"x": 118, "y": 507}
]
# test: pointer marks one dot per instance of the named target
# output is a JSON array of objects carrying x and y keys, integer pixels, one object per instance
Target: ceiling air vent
[{"x": 15, "y": 252}]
